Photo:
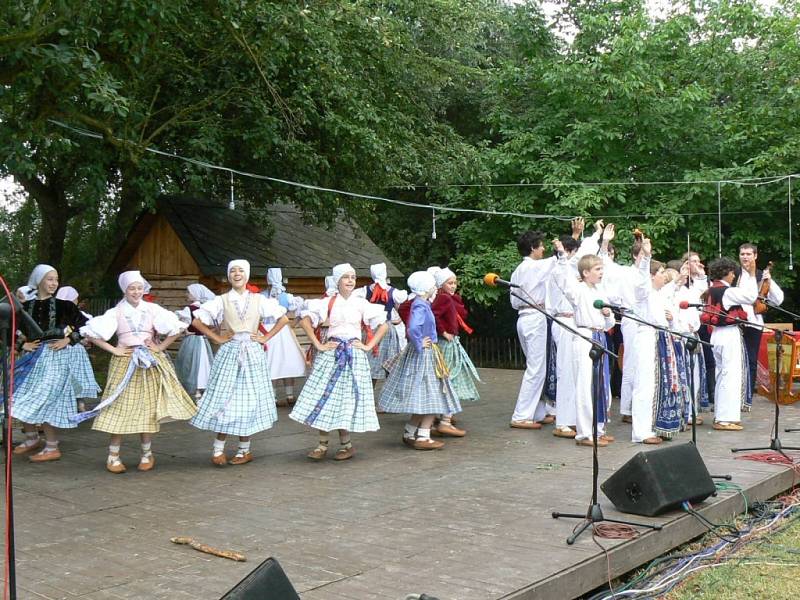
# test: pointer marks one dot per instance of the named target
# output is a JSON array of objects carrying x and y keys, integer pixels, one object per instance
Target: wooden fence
[{"x": 494, "y": 352}]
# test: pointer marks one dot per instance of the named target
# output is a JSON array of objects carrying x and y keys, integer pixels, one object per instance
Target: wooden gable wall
[{"x": 161, "y": 252}]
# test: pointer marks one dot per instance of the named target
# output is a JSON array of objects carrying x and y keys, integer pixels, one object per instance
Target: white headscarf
[
  {"x": 38, "y": 273},
  {"x": 443, "y": 275},
  {"x": 239, "y": 262},
  {"x": 68, "y": 293},
  {"x": 340, "y": 270},
  {"x": 378, "y": 273},
  {"x": 200, "y": 292},
  {"x": 421, "y": 282},
  {"x": 330, "y": 285},
  {"x": 275, "y": 281},
  {"x": 129, "y": 277}
]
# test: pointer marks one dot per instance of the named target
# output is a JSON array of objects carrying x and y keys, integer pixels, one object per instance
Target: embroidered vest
[
  {"x": 245, "y": 322},
  {"x": 131, "y": 333},
  {"x": 716, "y": 315}
]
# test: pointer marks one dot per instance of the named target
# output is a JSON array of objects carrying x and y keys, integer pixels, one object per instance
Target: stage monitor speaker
[
  {"x": 266, "y": 582},
  {"x": 654, "y": 482}
]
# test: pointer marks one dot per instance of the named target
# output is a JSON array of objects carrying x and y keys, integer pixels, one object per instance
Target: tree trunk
[{"x": 55, "y": 213}]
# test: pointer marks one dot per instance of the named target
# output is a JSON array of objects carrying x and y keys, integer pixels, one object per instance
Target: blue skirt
[
  {"x": 193, "y": 363},
  {"x": 239, "y": 399},
  {"x": 338, "y": 393},
  {"x": 82, "y": 374},
  {"x": 47, "y": 395},
  {"x": 413, "y": 387}
]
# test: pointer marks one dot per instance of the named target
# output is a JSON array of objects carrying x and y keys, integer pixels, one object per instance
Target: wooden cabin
[{"x": 187, "y": 240}]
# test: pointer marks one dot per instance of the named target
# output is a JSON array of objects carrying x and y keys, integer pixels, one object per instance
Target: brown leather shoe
[
  {"x": 607, "y": 438},
  {"x": 219, "y": 459},
  {"x": 525, "y": 425},
  {"x": 147, "y": 466},
  {"x": 242, "y": 458},
  {"x": 588, "y": 442},
  {"x": 21, "y": 449},
  {"x": 564, "y": 432},
  {"x": 115, "y": 467},
  {"x": 548, "y": 420},
  {"x": 317, "y": 453},
  {"x": 282, "y": 403},
  {"x": 344, "y": 453},
  {"x": 427, "y": 444},
  {"x": 627, "y": 419},
  {"x": 45, "y": 456},
  {"x": 727, "y": 426},
  {"x": 653, "y": 441},
  {"x": 448, "y": 430}
]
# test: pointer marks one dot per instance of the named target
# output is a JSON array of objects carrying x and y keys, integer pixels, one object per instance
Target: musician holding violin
[{"x": 768, "y": 293}]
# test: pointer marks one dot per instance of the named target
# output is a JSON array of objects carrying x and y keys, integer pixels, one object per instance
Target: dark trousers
[
  {"x": 752, "y": 342},
  {"x": 708, "y": 359}
]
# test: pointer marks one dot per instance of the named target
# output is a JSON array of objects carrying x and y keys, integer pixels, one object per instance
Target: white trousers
[
  {"x": 584, "y": 398},
  {"x": 565, "y": 392},
  {"x": 730, "y": 360},
  {"x": 643, "y": 370},
  {"x": 628, "y": 329},
  {"x": 532, "y": 332}
]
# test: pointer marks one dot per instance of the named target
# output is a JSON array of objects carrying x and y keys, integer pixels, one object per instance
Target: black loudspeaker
[
  {"x": 659, "y": 480},
  {"x": 266, "y": 582}
]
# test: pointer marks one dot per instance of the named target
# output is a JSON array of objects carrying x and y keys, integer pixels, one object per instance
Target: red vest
[{"x": 715, "y": 314}]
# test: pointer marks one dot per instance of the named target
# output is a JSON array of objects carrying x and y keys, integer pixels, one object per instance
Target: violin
[{"x": 760, "y": 306}]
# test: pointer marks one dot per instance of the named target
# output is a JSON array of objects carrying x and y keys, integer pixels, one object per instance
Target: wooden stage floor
[{"x": 471, "y": 521}]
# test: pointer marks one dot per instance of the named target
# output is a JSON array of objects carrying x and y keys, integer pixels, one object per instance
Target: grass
[{"x": 767, "y": 569}]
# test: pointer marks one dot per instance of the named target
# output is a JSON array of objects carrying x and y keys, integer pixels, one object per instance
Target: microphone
[
  {"x": 599, "y": 305},
  {"x": 684, "y": 304},
  {"x": 493, "y": 280}
]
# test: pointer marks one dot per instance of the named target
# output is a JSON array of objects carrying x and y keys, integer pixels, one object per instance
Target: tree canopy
[{"x": 402, "y": 99}]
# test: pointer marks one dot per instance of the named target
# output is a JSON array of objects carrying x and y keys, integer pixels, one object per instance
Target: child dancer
[
  {"x": 142, "y": 389},
  {"x": 81, "y": 368},
  {"x": 285, "y": 357},
  {"x": 338, "y": 393},
  {"x": 450, "y": 313},
  {"x": 418, "y": 381},
  {"x": 47, "y": 394},
  {"x": 193, "y": 363},
  {"x": 593, "y": 323},
  {"x": 380, "y": 292},
  {"x": 239, "y": 399}
]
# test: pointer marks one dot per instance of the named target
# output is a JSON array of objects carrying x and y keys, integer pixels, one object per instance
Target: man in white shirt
[{"x": 748, "y": 255}]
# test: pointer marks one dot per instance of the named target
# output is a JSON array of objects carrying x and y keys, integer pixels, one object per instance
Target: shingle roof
[{"x": 214, "y": 234}]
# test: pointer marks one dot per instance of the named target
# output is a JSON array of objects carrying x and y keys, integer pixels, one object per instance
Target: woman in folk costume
[
  {"x": 450, "y": 313},
  {"x": 45, "y": 387},
  {"x": 321, "y": 330},
  {"x": 592, "y": 323},
  {"x": 658, "y": 391},
  {"x": 724, "y": 303},
  {"x": 81, "y": 369},
  {"x": 193, "y": 363},
  {"x": 142, "y": 389},
  {"x": 380, "y": 292},
  {"x": 285, "y": 356},
  {"x": 239, "y": 399},
  {"x": 687, "y": 322},
  {"x": 338, "y": 393},
  {"x": 418, "y": 382}
]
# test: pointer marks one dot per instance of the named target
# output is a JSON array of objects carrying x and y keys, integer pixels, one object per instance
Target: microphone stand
[
  {"x": 775, "y": 442},
  {"x": 780, "y": 308},
  {"x": 6, "y": 310},
  {"x": 594, "y": 514}
]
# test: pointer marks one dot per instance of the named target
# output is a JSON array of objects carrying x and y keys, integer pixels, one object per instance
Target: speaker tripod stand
[{"x": 594, "y": 514}]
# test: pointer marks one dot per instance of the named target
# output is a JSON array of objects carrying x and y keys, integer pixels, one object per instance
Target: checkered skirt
[
  {"x": 151, "y": 396},
  {"x": 194, "y": 357},
  {"x": 239, "y": 399},
  {"x": 351, "y": 404},
  {"x": 47, "y": 395},
  {"x": 388, "y": 348},
  {"x": 462, "y": 372},
  {"x": 83, "y": 380},
  {"x": 413, "y": 387}
]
